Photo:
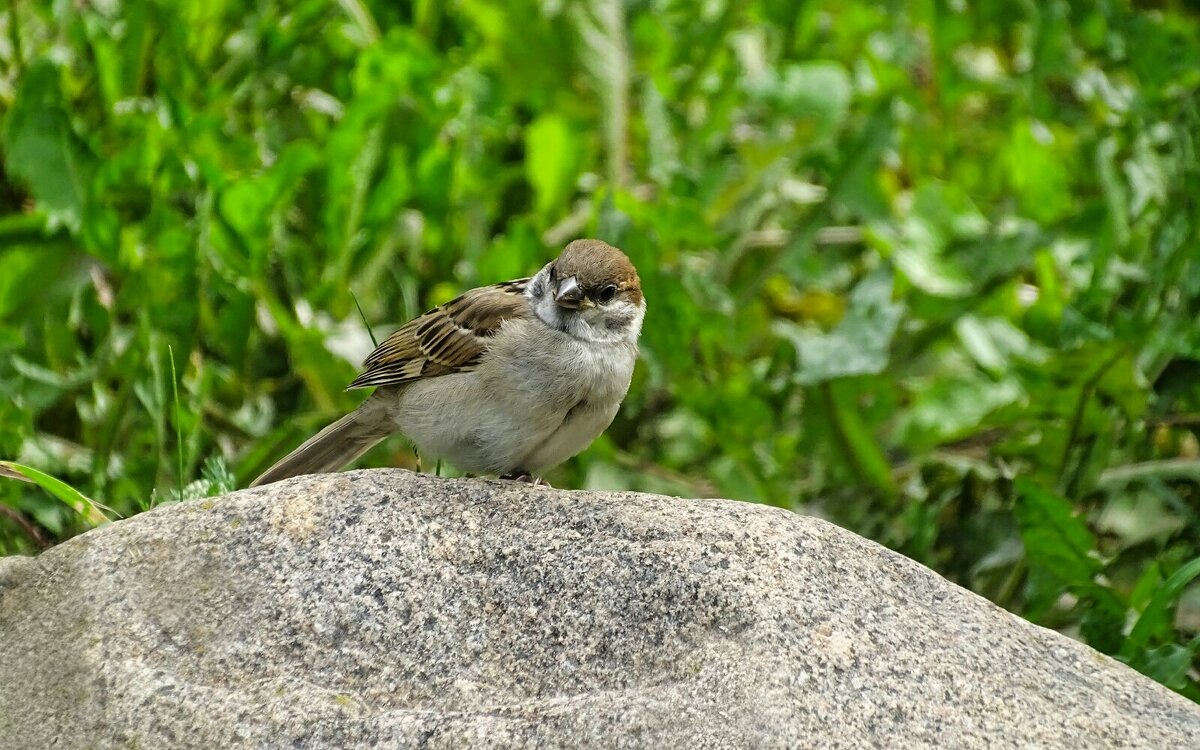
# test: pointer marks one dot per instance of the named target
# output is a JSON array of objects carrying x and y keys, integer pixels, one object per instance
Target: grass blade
[
  {"x": 363, "y": 315},
  {"x": 84, "y": 506},
  {"x": 178, "y": 428}
]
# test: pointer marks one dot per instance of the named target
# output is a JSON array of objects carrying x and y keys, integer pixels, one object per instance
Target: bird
[{"x": 510, "y": 379}]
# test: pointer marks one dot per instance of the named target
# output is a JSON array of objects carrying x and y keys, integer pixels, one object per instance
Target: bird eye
[{"x": 607, "y": 293}]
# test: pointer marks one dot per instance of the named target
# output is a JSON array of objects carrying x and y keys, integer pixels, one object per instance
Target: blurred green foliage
[{"x": 928, "y": 269}]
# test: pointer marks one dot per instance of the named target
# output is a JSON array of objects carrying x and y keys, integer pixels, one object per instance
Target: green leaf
[
  {"x": 919, "y": 261},
  {"x": 865, "y": 452},
  {"x": 817, "y": 93},
  {"x": 951, "y": 407},
  {"x": 948, "y": 212},
  {"x": 940, "y": 215},
  {"x": 1103, "y": 621},
  {"x": 217, "y": 473},
  {"x": 994, "y": 343},
  {"x": 1038, "y": 170},
  {"x": 25, "y": 275},
  {"x": 859, "y": 344},
  {"x": 1155, "y": 623},
  {"x": 42, "y": 150},
  {"x": 1055, "y": 538},
  {"x": 1147, "y": 584},
  {"x": 1137, "y": 515},
  {"x": 551, "y": 156},
  {"x": 1168, "y": 664}
]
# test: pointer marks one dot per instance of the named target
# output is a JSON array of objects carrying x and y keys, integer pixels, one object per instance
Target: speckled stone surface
[{"x": 387, "y": 609}]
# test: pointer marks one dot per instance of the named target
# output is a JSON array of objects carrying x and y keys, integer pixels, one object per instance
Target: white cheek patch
[{"x": 619, "y": 320}]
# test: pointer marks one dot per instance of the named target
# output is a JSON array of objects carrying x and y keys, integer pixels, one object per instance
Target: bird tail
[{"x": 335, "y": 446}]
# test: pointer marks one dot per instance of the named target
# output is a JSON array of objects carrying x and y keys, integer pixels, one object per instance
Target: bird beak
[{"x": 569, "y": 294}]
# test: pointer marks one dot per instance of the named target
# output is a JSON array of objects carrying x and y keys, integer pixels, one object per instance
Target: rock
[{"x": 387, "y": 609}]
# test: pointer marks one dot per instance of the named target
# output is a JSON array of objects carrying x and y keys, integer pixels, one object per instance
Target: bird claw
[{"x": 528, "y": 479}]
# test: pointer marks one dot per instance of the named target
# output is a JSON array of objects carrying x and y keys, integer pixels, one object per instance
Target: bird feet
[{"x": 527, "y": 478}]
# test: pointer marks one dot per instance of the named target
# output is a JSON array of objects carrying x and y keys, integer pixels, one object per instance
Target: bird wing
[{"x": 449, "y": 338}]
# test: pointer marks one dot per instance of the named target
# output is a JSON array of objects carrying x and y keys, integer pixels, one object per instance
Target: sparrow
[{"x": 510, "y": 379}]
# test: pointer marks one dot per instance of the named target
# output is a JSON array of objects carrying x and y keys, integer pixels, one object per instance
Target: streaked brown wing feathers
[{"x": 447, "y": 339}]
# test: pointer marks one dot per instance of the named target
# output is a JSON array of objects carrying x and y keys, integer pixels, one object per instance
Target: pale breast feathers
[{"x": 449, "y": 338}]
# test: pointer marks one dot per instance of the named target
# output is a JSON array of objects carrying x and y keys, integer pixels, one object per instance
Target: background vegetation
[{"x": 928, "y": 269}]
